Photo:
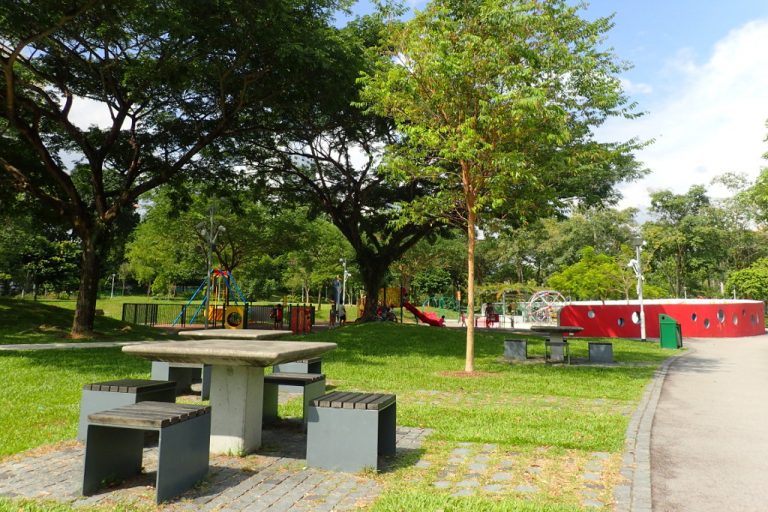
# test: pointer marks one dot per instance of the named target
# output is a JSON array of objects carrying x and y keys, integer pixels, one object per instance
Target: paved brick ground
[{"x": 274, "y": 479}]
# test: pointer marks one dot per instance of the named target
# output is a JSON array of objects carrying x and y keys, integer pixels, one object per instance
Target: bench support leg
[
  {"x": 270, "y": 402},
  {"x": 388, "y": 430},
  {"x": 183, "y": 456},
  {"x": 238, "y": 392},
  {"x": 111, "y": 454}
]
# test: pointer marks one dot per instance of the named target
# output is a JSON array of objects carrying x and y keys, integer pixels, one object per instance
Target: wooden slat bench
[
  {"x": 100, "y": 396},
  {"x": 313, "y": 385},
  {"x": 115, "y": 440},
  {"x": 313, "y": 365},
  {"x": 184, "y": 374},
  {"x": 348, "y": 431}
]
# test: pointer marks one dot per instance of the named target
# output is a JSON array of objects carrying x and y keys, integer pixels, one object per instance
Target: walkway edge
[{"x": 636, "y": 468}]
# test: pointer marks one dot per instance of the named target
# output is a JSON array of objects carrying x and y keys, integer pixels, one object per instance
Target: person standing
[
  {"x": 332, "y": 316},
  {"x": 489, "y": 314},
  {"x": 342, "y": 314}
]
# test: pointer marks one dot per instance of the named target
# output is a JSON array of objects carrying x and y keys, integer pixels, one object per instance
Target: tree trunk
[
  {"x": 469, "y": 363},
  {"x": 85, "y": 309},
  {"x": 372, "y": 274}
]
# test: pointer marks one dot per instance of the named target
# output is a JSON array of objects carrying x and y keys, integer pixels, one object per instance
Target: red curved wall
[{"x": 698, "y": 320}]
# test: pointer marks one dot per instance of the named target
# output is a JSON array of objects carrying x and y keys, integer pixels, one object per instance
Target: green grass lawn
[
  {"x": 555, "y": 415},
  {"x": 26, "y": 321}
]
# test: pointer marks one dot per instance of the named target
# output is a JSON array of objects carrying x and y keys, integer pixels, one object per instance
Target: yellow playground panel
[{"x": 387, "y": 296}]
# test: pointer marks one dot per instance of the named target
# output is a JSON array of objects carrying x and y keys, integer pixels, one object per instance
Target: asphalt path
[{"x": 709, "y": 440}]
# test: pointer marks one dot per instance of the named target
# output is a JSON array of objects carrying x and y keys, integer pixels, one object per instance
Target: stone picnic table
[
  {"x": 237, "y": 380},
  {"x": 557, "y": 342}
]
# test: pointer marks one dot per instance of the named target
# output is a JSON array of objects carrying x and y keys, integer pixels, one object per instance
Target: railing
[
  {"x": 177, "y": 315},
  {"x": 181, "y": 315}
]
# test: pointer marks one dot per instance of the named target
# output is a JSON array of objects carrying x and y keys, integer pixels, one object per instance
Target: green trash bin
[{"x": 670, "y": 334}]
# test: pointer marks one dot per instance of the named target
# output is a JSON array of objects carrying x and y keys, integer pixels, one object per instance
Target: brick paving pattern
[{"x": 273, "y": 479}]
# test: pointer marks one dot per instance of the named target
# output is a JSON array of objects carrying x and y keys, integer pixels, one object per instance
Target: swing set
[{"x": 220, "y": 286}]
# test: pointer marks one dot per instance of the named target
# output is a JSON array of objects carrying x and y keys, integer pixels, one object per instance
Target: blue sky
[{"x": 701, "y": 75}]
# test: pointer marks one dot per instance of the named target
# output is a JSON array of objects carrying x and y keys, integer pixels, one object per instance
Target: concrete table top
[
  {"x": 230, "y": 352},
  {"x": 557, "y": 329}
]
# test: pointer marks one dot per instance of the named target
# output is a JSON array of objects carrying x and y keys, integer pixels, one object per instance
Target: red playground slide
[{"x": 433, "y": 321}]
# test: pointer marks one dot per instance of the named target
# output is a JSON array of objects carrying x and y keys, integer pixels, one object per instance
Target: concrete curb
[
  {"x": 72, "y": 345},
  {"x": 636, "y": 495}
]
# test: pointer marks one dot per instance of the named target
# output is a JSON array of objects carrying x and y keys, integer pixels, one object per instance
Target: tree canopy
[{"x": 172, "y": 83}]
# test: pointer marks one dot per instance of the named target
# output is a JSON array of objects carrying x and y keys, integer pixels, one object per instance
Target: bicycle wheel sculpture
[{"x": 544, "y": 306}]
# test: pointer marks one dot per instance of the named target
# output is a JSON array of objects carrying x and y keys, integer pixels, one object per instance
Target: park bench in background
[
  {"x": 312, "y": 384},
  {"x": 313, "y": 365},
  {"x": 101, "y": 396},
  {"x": 516, "y": 350},
  {"x": 348, "y": 431},
  {"x": 115, "y": 440},
  {"x": 600, "y": 352},
  {"x": 184, "y": 374}
]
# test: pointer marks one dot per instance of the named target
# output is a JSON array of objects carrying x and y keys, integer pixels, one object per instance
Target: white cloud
[
  {"x": 86, "y": 112},
  {"x": 631, "y": 87},
  {"x": 710, "y": 120}
]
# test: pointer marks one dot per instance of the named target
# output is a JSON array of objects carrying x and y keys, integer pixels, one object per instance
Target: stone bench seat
[
  {"x": 184, "y": 374},
  {"x": 348, "y": 431},
  {"x": 100, "y": 396},
  {"x": 115, "y": 441},
  {"x": 312, "y": 385}
]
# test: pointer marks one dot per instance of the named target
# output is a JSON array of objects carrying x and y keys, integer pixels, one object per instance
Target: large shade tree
[
  {"x": 496, "y": 102},
  {"x": 171, "y": 81},
  {"x": 328, "y": 155}
]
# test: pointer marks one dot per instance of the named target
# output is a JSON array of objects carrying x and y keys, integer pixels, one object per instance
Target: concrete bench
[
  {"x": 312, "y": 384},
  {"x": 101, "y": 396},
  {"x": 313, "y": 365},
  {"x": 348, "y": 431},
  {"x": 115, "y": 440},
  {"x": 184, "y": 374},
  {"x": 600, "y": 352},
  {"x": 516, "y": 350}
]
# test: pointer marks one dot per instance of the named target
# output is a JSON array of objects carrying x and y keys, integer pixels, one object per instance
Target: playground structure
[
  {"x": 544, "y": 307},
  {"x": 221, "y": 286},
  {"x": 395, "y": 297}
]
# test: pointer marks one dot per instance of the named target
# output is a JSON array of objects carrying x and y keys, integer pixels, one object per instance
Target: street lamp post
[
  {"x": 343, "y": 261},
  {"x": 638, "y": 242},
  {"x": 209, "y": 235}
]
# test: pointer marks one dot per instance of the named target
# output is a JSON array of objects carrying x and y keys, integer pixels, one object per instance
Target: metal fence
[
  {"x": 157, "y": 315},
  {"x": 181, "y": 315}
]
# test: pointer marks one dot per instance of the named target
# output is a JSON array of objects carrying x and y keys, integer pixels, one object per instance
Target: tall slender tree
[{"x": 496, "y": 102}]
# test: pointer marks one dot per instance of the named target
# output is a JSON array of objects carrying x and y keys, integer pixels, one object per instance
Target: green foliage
[
  {"x": 686, "y": 241},
  {"x": 177, "y": 83},
  {"x": 431, "y": 281},
  {"x": 595, "y": 276},
  {"x": 751, "y": 282},
  {"x": 477, "y": 92}
]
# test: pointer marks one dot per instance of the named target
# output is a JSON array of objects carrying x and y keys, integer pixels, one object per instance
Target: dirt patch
[{"x": 467, "y": 375}]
